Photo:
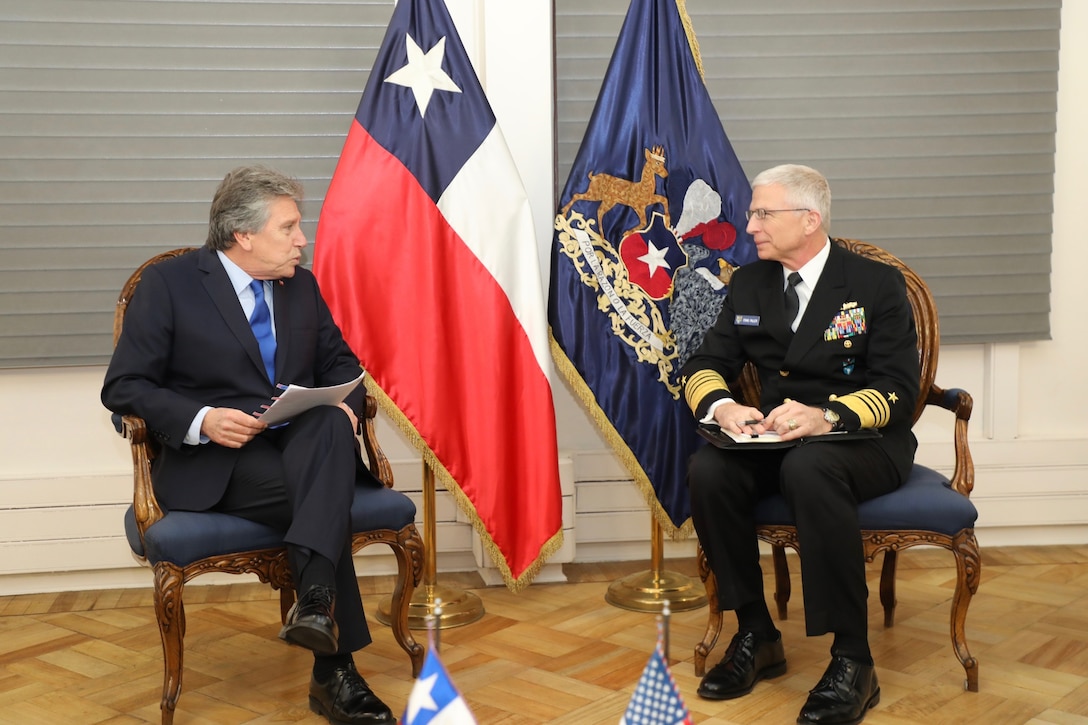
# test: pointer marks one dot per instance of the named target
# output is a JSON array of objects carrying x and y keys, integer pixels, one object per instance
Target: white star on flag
[
  {"x": 421, "y": 698},
  {"x": 434, "y": 700},
  {"x": 423, "y": 73},
  {"x": 655, "y": 258}
]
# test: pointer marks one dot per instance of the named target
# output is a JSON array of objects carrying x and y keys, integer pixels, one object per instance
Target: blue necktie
[{"x": 261, "y": 322}]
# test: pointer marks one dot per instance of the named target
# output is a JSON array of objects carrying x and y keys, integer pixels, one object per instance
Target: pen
[{"x": 751, "y": 422}]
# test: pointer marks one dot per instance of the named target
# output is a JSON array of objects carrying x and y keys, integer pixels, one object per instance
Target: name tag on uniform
[{"x": 746, "y": 320}]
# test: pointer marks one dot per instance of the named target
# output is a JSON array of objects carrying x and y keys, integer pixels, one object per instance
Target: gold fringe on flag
[
  {"x": 615, "y": 441},
  {"x": 552, "y": 545}
]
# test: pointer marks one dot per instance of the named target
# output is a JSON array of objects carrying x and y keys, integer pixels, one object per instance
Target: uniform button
[
  {"x": 784, "y": 373},
  {"x": 848, "y": 344}
]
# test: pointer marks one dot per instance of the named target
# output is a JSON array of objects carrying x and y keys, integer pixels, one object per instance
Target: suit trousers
[
  {"x": 300, "y": 479},
  {"x": 823, "y": 482}
]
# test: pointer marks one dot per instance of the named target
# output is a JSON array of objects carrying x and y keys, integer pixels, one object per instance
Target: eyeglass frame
[{"x": 761, "y": 214}]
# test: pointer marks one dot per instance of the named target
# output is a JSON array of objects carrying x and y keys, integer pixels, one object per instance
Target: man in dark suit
[
  {"x": 207, "y": 337},
  {"x": 833, "y": 339}
]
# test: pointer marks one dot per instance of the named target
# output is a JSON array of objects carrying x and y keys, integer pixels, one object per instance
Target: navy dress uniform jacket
[{"x": 854, "y": 351}]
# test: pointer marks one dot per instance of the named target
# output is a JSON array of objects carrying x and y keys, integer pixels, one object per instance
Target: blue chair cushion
[
  {"x": 182, "y": 537},
  {"x": 925, "y": 502}
]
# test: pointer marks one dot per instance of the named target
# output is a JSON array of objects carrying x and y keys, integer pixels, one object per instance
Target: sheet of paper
[
  {"x": 296, "y": 399},
  {"x": 769, "y": 437}
]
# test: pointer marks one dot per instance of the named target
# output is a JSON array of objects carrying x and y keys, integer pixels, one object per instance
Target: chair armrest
[
  {"x": 378, "y": 463},
  {"x": 144, "y": 504},
  {"x": 960, "y": 403}
]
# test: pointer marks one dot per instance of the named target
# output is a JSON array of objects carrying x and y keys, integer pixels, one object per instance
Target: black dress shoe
[
  {"x": 310, "y": 622},
  {"x": 843, "y": 695},
  {"x": 346, "y": 699},
  {"x": 747, "y": 661}
]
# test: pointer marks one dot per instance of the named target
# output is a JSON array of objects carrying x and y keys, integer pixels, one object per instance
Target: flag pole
[
  {"x": 648, "y": 591},
  {"x": 447, "y": 606}
]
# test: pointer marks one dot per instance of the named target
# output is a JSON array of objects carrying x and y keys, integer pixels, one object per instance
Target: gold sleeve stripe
[
  {"x": 702, "y": 384},
  {"x": 869, "y": 405}
]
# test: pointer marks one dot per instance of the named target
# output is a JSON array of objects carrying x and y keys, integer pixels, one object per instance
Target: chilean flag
[{"x": 426, "y": 254}]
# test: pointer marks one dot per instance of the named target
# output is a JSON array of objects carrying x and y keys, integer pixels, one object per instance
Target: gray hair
[
  {"x": 242, "y": 201},
  {"x": 805, "y": 188}
]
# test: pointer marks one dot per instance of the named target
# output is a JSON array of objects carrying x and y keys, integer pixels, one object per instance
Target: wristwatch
[{"x": 833, "y": 418}]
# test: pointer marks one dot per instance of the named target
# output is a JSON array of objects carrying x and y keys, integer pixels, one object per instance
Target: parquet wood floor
[{"x": 558, "y": 653}]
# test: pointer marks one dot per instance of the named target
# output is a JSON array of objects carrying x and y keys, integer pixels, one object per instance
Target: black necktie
[
  {"x": 261, "y": 322},
  {"x": 792, "y": 303}
]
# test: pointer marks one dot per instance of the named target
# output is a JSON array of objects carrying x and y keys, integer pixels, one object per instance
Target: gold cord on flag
[{"x": 689, "y": 30}]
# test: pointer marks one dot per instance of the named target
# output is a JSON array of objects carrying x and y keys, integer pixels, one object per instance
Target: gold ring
[{"x": 792, "y": 424}]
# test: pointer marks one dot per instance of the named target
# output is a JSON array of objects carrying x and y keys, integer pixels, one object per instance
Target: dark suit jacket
[
  {"x": 869, "y": 377},
  {"x": 186, "y": 343}
]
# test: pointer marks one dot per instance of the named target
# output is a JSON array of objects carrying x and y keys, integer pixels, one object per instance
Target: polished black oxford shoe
[
  {"x": 843, "y": 695},
  {"x": 747, "y": 661},
  {"x": 346, "y": 699},
  {"x": 310, "y": 622}
]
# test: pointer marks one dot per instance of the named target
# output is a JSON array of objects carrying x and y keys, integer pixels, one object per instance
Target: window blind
[
  {"x": 933, "y": 120},
  {"x": 119, "y": 118}
]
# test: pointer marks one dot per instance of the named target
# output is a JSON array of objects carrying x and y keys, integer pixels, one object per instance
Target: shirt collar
[
  {"x": 238, "y": 278},
  {"x": 811, "y": 271}
]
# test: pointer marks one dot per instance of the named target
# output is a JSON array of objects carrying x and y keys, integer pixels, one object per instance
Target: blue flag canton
[
  {"x": 423, "y": 101},
  {"x": 656, "y": 700}
]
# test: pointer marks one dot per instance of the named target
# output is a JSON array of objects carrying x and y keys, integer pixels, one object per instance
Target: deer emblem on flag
[{"x": 639, "y": 195}]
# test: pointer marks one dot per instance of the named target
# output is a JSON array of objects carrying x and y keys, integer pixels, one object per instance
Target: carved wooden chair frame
[{"x": 963, "y": 545}]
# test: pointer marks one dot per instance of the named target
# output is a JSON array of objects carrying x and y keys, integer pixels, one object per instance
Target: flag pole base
[
  {"x": 459, "y": 607},
  {"x": 647, "y": 591}
]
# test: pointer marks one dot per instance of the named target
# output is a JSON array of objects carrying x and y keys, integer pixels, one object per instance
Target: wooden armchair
[
  {"x": 182, "y": 545},
  {"x": 928, "y": 509}
]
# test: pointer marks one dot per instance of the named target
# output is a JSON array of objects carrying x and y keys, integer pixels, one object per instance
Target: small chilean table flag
[{"x": 426, "y": 255}]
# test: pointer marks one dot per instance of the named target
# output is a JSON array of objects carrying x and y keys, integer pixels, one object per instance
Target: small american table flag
[{"x": 656, "y": 700}]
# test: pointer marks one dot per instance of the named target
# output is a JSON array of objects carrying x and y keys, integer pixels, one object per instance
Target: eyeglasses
[{"x": 762, "y": 214}]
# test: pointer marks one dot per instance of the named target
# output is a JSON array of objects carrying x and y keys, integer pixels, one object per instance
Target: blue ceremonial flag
[
  {"x": 434, "y": 700},
  {"x": 649, "y": 230}
]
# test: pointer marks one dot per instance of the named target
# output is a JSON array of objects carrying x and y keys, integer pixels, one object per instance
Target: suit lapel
[
  {"x": 772, "y": 306},
  {"x": 219, "y": 288},
  {"x": 281, "y": 294}
]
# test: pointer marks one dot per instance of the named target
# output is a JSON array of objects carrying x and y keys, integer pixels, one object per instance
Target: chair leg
[
  {"x": 968, "y": 574},
  {"x": 887, "y": 586},
  {"x": 409, "y": 553},
  {"x": 170, "y": 613},
  {"x": 781, "y": 580},
  {"x": 714, "y": 614}
]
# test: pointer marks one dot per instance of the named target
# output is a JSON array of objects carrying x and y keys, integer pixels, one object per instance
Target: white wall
[{"x": 65, "y": 476}]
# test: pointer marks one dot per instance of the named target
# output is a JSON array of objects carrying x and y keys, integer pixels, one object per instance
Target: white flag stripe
[{"x": 477, "y": 205}]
